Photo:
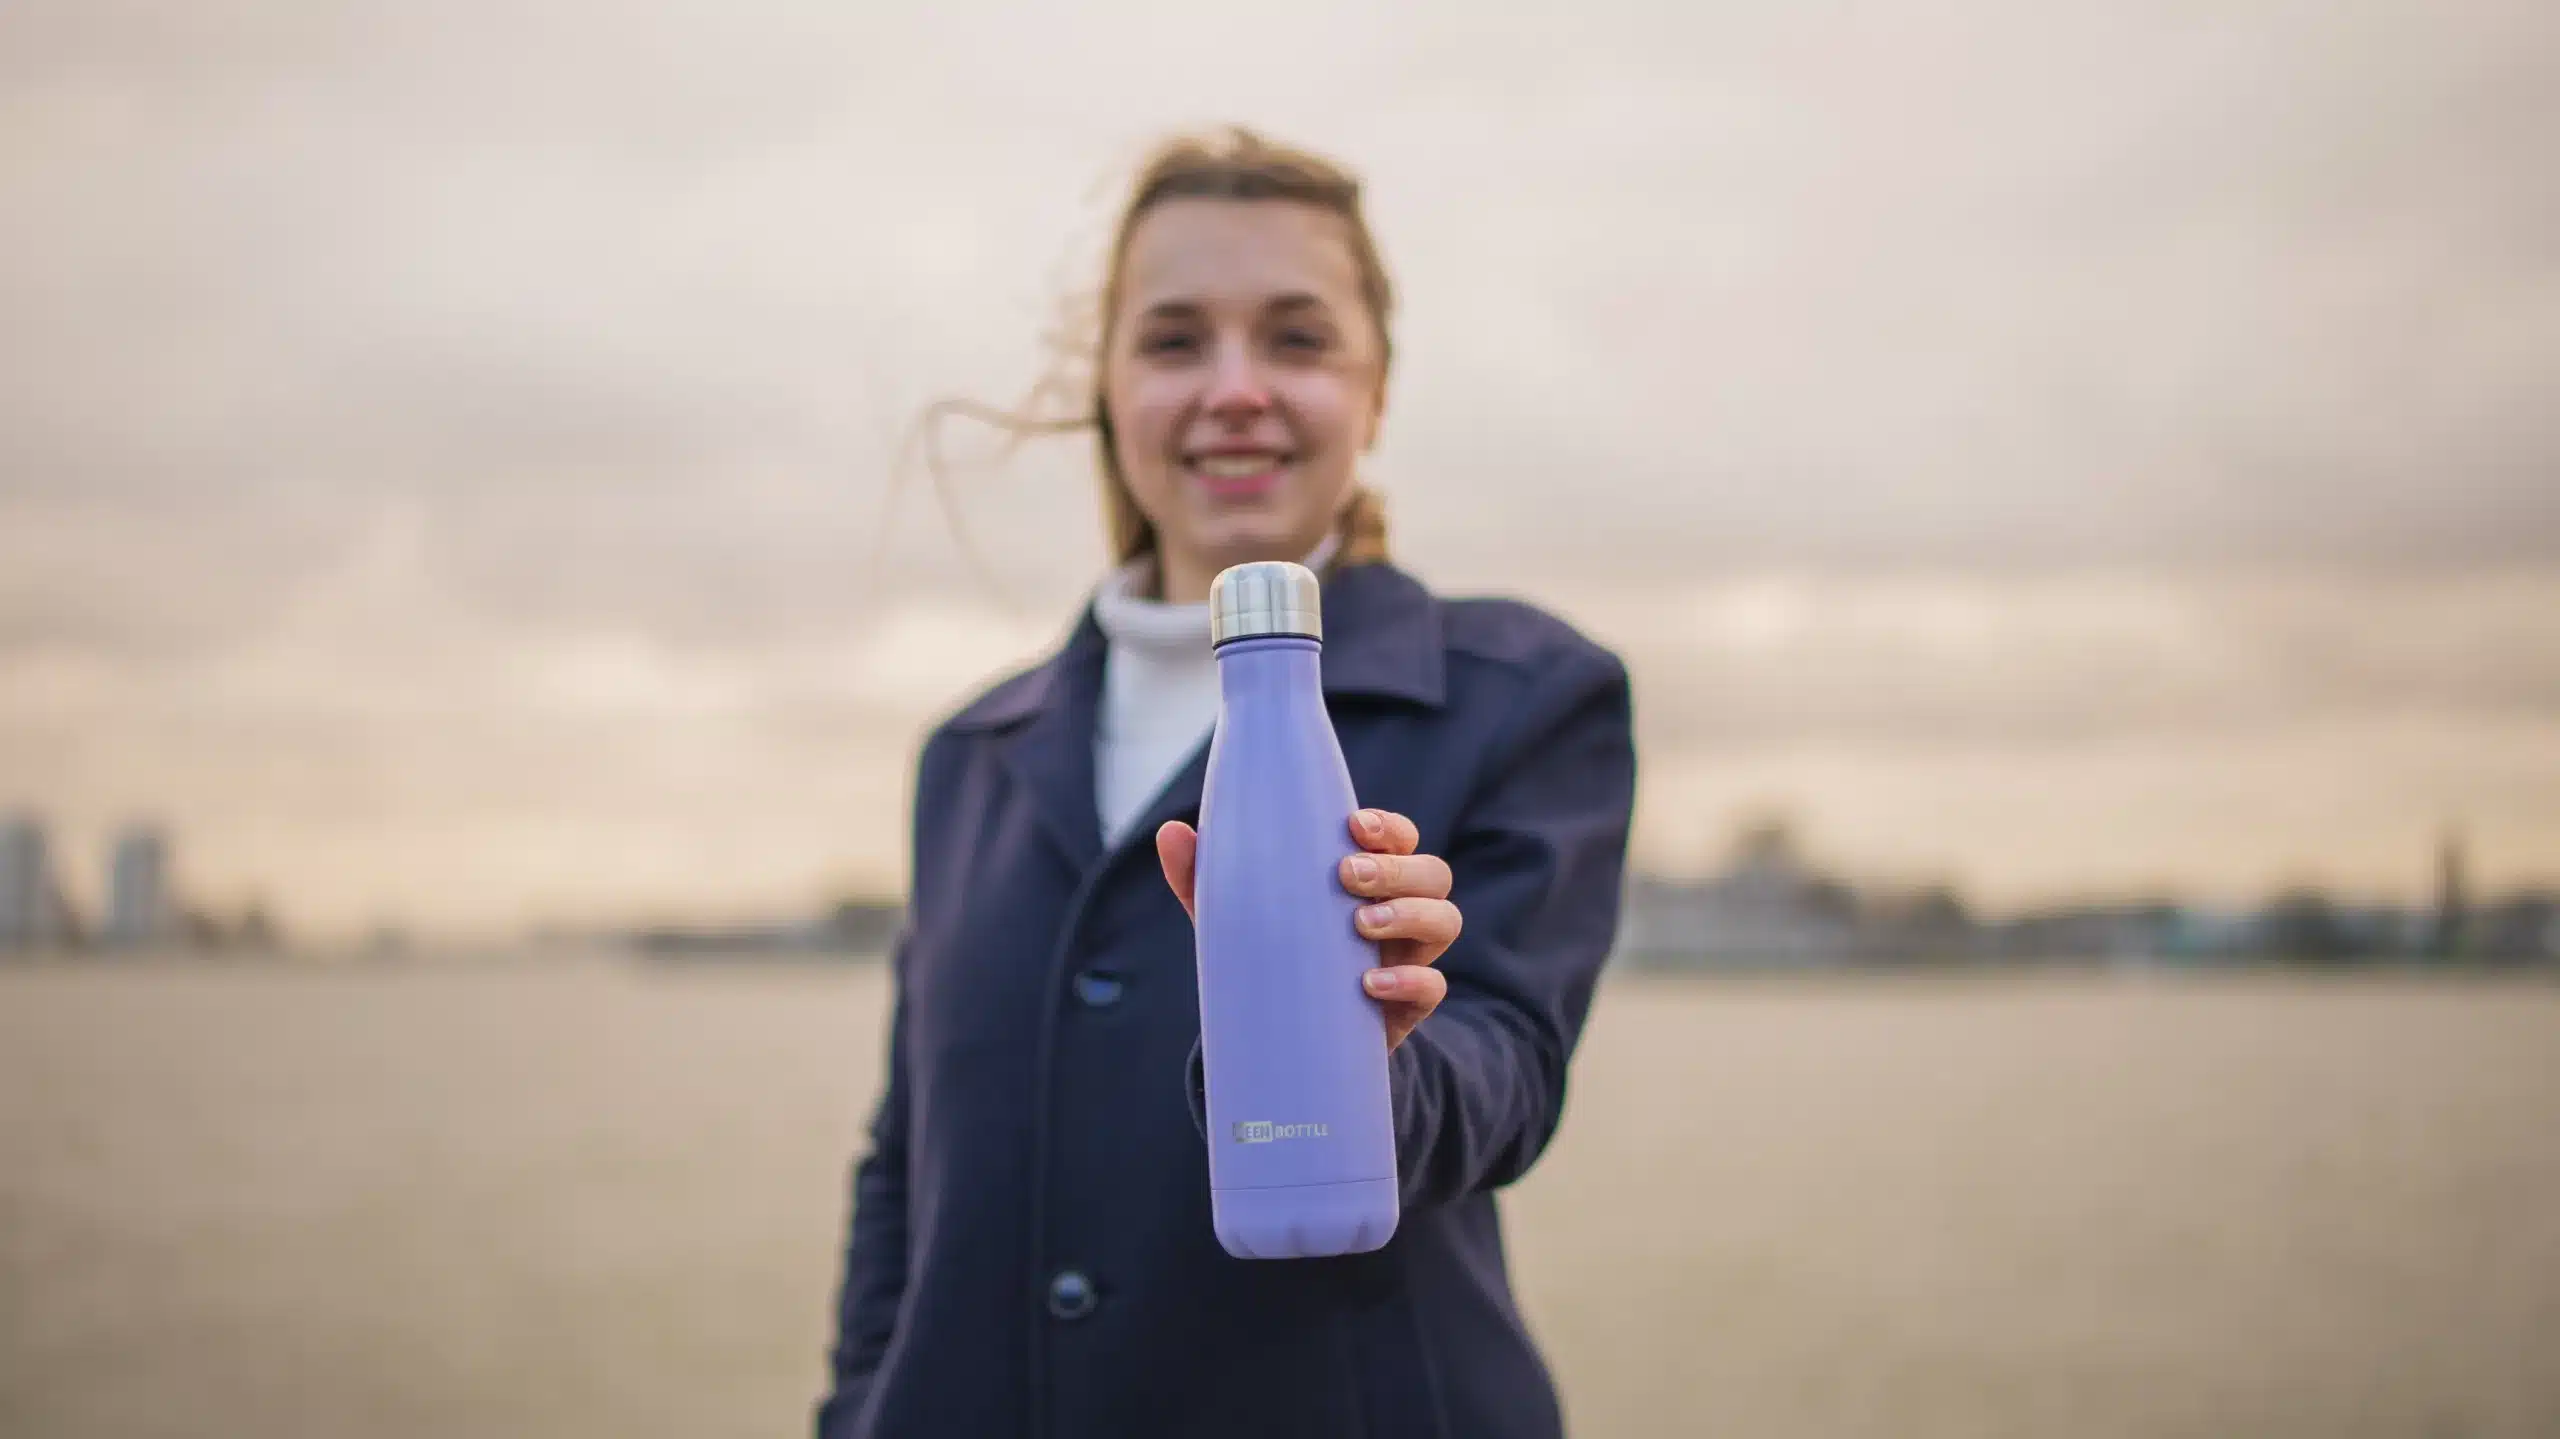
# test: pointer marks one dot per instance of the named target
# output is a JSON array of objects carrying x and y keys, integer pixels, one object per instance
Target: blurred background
[{"x": 2077, "y": 486}]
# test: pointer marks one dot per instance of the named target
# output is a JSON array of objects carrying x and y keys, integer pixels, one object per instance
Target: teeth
[{"x": 1234, "y": 466}]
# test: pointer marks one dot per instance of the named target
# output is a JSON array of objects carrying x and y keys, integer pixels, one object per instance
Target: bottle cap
[{"x": 1266, "y": 597}]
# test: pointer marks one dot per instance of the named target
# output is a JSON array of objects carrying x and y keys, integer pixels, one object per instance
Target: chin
[
  {"x": 1237, "y": 539},
  {"x": 1279, "y": 526}
]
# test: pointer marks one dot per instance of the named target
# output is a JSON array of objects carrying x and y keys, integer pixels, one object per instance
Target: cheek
[
  {"x": 1332, "y": 412},
  {"x": 1144, "y": 411}
]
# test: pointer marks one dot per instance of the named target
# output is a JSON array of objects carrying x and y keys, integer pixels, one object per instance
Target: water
[{"x": 593, "y": 1198}]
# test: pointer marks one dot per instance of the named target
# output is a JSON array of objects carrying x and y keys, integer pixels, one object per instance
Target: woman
[{"x": 1031, "y": 1251}]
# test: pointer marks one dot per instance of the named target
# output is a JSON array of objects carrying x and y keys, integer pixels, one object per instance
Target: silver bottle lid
[{"x": 1266, "y": 597}]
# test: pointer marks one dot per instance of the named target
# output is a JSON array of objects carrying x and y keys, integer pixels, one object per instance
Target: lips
[
  {"x": 1236, "y": 465},
  {"x": 1237, "y": 473}
]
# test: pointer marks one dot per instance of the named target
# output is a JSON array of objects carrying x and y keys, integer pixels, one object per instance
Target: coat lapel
[
  {"x": 1382, "y": 637},
  {"x": 1048, "y": 744}
]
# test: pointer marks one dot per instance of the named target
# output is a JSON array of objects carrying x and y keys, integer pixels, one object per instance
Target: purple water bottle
[{"x": 1302, "y": 1147}]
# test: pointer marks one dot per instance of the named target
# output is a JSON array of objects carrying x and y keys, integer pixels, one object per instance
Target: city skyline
[
  {"x": 139, "y": 898},
  {"x": 134, "y": 903}
]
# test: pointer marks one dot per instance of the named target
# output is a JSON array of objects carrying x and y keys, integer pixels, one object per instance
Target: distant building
[
  {"x": 140, "y": 909},
  {"x": 1928, "y": 923},
  {"x": 853, "y": 928},
  {"x": 257, "y": 929},
  {"x": 1769, "y": 906},
  {"x": 2522, "y": 928},
  {"x": 2453, "y": 897},
  {"x": 33, "y": 912},
  {"x": 23, "y": 880},
  {"x": 865, "y": 926},
  {"x": 2122, "y": 933}
]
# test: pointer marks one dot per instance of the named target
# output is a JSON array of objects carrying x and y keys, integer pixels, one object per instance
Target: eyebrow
[{"x": 1193, "y": 309}]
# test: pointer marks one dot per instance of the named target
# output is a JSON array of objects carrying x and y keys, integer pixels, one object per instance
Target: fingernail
[
  {"x": 1377, "y": 914},
  {"x": 1380, "y": 981},
  {"x": 1370, "y": 824},
  {"x": 1364, "y": 869}
]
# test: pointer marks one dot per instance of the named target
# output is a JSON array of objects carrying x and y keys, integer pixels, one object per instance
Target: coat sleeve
[
  {"x": 875, "y": 1255},
  {"x": 1538, "y": 858}
]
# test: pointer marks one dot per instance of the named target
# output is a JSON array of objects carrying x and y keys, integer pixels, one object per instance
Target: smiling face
[{"x": 1244, "y": 375}]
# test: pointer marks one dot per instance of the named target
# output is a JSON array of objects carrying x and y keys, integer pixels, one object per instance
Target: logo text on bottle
[{"x": 1263, "y": 1131}]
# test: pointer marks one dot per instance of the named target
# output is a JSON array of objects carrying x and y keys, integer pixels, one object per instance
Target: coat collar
[{"x": 1382, "y": 641}]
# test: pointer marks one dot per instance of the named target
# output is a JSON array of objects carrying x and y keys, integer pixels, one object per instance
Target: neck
[
  {"x": 1186, "y": 580},
  {"x": 1181, "y": 580}
]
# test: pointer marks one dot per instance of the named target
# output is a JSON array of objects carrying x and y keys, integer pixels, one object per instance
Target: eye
[
  {"x": 1302, "y": 340},
  {"x": 1168, "y": 343}
]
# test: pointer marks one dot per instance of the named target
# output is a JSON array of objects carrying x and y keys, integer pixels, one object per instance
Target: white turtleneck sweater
[{"x": 1159, "y": 691}]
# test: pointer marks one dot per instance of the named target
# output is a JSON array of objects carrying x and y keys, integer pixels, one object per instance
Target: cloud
[
  {"x": 443, "y": 452},
  {"x": 1825, "y": 288},
  {"x": 1918, "y": 662}
]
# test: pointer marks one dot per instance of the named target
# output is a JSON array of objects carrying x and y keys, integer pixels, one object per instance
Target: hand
[{"x": 1410, "y": 914}]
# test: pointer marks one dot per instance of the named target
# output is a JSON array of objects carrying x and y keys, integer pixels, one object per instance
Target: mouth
[{"x": 1238, "y": 474}]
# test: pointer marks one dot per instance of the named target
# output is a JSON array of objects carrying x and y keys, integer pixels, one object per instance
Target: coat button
[
  {"x": 1072, "y": 1295},
  {"x": 1097, "y": 989}
]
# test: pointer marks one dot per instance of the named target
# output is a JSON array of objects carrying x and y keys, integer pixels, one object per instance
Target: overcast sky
[{"x": 442, "y": 448}]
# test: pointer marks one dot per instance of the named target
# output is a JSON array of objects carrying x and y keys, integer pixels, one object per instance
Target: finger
[
  {"x": 1408, "y": 998},
  {"x": 1177, "y": 847},
  {"x": 1418, "y": 985},
  {"x": 1383, "y": 831},
  {"x": 1387, "y": 876},
  {"x": 1432, "y": 924}
]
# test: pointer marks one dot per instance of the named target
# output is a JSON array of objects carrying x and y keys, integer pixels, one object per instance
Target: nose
[{"x": 1237, "y": 390}]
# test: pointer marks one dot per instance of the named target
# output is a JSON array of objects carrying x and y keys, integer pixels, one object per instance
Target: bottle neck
[
  {"x": 1262, "y": 665},
  {"x": 1258, "y": 644}
]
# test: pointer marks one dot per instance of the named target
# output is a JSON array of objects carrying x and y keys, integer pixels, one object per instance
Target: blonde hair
[{"x": 1232, "y": 163}]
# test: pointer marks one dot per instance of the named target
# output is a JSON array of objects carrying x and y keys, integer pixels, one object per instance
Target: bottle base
[{"x": 1305, "y": 1221}]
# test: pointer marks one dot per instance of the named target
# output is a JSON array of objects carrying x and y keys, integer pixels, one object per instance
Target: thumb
[{"x": 1177, "y": 845}]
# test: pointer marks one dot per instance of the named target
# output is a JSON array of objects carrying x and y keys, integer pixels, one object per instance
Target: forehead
[{"x": 1238, "y": 253}]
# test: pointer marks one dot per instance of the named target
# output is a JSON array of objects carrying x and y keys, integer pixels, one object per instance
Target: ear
[{"x": 1377, "y": 416}]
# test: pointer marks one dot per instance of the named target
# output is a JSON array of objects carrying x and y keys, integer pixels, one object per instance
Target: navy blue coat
[{"x": 1030, "y": 1248}]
